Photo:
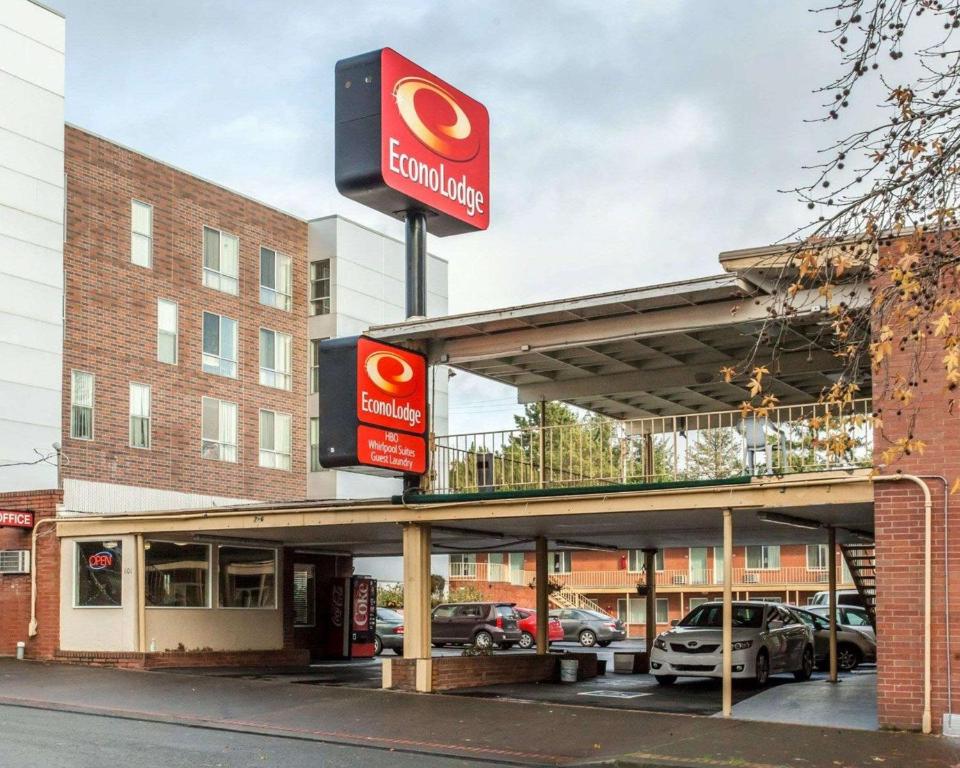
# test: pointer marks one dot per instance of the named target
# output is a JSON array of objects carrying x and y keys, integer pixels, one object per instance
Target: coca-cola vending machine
[{"x": 363, "y": 616}]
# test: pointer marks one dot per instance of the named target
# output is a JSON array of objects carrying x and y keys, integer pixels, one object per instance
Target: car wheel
[
  {"x": 806, "y": 666},
  {"x": 588, "y": 638},
  {"x": 848, "y": 657},
  {"x": 603, "y": 643},
  {"x": 483, "y": 639},
  {"x": 398, "y": 651},
  {"x": 506, "y": 646},
  {"x": 377, "y": 645},
  {"x": 438, "y": 645},
  {"x": 666, "y": 679},
  {"x": 762, "y": 671},
  {"x": 526, "y": 641}
]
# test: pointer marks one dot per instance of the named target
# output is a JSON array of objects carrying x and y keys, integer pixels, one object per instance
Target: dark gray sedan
[
  {"x": 853, "y": 645},
  {"x": 589, "y": 628},
  {"x": 389, "y": 631}
]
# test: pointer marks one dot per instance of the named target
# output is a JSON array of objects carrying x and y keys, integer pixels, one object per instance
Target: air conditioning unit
[
  {"x": 679, "y": 578},
  {"x": 15, "y": 561},
  {"x": 751, "y": 578}
]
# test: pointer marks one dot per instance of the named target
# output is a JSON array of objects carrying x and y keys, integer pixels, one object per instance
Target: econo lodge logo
[
  {"x": 391, "y": 373},
  {"x": 433, "y": 115},
  {"x": 391, "y": 386}
]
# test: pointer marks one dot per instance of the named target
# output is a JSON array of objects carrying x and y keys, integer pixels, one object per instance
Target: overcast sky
[{"x": 631, "y": 141}]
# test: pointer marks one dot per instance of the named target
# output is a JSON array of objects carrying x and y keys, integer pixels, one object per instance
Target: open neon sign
[{"x": 100, "y": 561}]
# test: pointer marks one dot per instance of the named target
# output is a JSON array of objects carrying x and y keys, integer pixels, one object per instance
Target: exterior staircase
[
  {"x": 567, "y": 597},
  {"x": 861, "y": 560}
]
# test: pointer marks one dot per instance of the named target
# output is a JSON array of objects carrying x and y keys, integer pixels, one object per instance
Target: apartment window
[
  {"x": 219, "y": 430},
  {"x": 635, "y": 560},
  {"x": 320, "y": 287},
  {"x": 275, "y": 280},
  {"x": 99, "y": 574},
  {"x": 247, "y": 577},
  {"x": 315, "y": 444},
  {"x": 817, "y": 557},
  {"x": 221, "y": 260},
  {"x": 274, "y": 440},
  {"x": 634, "y": 610},
  {"x": 560, "y": 562},
  {"x": 167, "y": 331},
  {"x": 219, "y": 345},
  {"x": 81, "y": 405},
  {"x": 314, "y": 366},
  {"x": 304, "y": 595},
  {"x": 176, "y": 575},
  {"x": 763, "y": 558},
  {"x": 141, "y": 233},
  {"x": 463, "y": 566},
  {"x": 139, "y": 416},
  {"x": 697, "y": 601},
  {"x": 275, "y": 359}
]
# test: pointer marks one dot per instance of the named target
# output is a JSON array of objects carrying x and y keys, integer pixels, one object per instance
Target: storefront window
[
  {"x": 176, "y": 574},
  {"x": 304, "y": 595},
  {"x": 247, "y": 577},
  {"x": 99, "y": 574}
]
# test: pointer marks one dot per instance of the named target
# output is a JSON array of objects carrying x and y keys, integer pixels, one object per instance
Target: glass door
[{"x": 698, "y": 565}]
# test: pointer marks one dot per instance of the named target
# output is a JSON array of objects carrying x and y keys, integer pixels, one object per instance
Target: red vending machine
[{"x": 363, "y": 616}]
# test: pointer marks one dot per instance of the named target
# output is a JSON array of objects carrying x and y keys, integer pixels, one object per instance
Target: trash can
[
  {"x": 21, "y": 648},
  {"x": 568, "y": 670}
]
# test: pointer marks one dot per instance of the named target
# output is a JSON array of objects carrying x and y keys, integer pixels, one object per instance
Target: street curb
[{"x": 643, "y": 760}]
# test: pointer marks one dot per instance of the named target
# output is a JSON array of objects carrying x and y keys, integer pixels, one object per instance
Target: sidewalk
[{"x": 484, "y": 731}]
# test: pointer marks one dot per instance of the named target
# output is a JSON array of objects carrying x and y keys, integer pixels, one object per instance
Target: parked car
[
  {"x": 389, "y": 632},
  {"x": 844, "y": 597},
  {"x": 589, "y": 628},
  {"x": 481, "y": 624},
  {"x": 768, "y": 639},
  {"x": 853, "y": 646},
  {"x": 848, "y": 616},
  {"x": 528, "y": 628}
]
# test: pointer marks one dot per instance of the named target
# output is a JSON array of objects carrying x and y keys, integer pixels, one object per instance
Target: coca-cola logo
[
  {"x": 336, "y": 617},
  {"x": 361, "y": 611}
]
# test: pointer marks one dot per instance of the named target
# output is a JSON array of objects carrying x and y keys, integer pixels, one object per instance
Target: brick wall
[
  {"x": 111, "y": 325},
  {"x": 15, "y": 589},
  {"x": 454, "y": 672}
]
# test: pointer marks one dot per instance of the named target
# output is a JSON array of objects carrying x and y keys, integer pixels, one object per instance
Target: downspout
[
  {"x": 927, "y": 721},
  {"x": 32, "y": 627}
]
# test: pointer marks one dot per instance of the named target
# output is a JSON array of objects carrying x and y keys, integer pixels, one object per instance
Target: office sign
[
  {"x": 373, "y": 407},
  {"x": 407, "y": 140},
  {"x": 13, "y": 518}
]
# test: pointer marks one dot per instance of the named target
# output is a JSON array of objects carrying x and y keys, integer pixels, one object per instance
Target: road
[{"x": 37, "y": 739}]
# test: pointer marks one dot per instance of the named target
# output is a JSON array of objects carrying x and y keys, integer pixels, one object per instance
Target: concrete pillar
[
  {"x": 650, "y": 568},
  {"x": 141, "y": 596},
  {"x": 832, "y": 601},
  {"x": 416, "y": 601},
  {"x": 542, "y": 604},
  {"x": 727, "y": 613}
]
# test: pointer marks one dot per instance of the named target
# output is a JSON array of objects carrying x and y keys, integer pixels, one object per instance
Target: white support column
[
  {"x": 727, "y": 613},
  {"x": 416, "y": 602}
]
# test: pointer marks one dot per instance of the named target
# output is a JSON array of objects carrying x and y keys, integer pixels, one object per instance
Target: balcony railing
[{"x": 597, "y": 451}]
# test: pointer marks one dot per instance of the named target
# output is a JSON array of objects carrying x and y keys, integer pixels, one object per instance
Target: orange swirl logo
[
  {"x": 433, "y": 115},
  {"x": 391, "y": 373}
]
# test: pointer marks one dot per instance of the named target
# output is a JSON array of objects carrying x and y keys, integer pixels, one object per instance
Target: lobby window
[
  {"x": 763, "y": 558},
  {"x": 139, "y": 416},
  {"x": 314, "y": 366},
  {"x": 304, "y": 595},
  {"x": 141, "y": 234},
  {"x": 99, "y": 574},
  {"x": 219, "y": 430},
  {"x": 274, "y": 440},
  {"x": 275, "y": 359},
  {"x": 320, "y": 287},
  {"x": 247, "y": 577},
  {"x": 276, "y": 287},
  {"x": 167, "y": 331},
  {"x": 81, "y": 405},
  {"x": 635, "y": 560},
  {"x": 817, "y": 557},
  {"x": 221, "y": 261},
  {"x": 176, "y": 575},
  {"x": 219, "y": 345},
  {"x": 559, "y": 562},
  {"x": 315, "y": 444}
]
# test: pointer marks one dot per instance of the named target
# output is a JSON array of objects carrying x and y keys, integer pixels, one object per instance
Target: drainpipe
[
  {"x": 32, "y": 627},
  {"x": 927, "y": 721}
]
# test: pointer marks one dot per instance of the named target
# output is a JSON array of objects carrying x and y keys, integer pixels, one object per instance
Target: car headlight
[
  {"x": 741, "y": 645},
  {"x": 660, "y": 643}
]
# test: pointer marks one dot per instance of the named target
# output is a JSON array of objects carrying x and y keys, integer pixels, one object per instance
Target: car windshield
[
  {"x": 506, "y": 611},
  {"x": 385, "y": 614},
  {"x": 712, "y": 616}
]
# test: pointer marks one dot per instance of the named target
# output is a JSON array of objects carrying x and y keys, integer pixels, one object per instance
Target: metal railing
[{"x": 597, "y": 451}]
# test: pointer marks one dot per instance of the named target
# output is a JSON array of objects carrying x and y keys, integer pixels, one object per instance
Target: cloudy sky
[{"x": 631, "y": 141}]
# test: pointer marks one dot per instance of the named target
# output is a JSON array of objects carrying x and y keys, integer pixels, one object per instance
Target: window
[
  {"x": 176, "y": 575},
  {"x": 816, "y": 557},
  {"x": 275, "y": 363},
  {"x": 139, "y": 416},
  {"x": 218, "y": 430},
  {"x": 698, "y": 566},
  {"x": 141, "y": 234},
  {"x": 219, "y": 345},
  {"x": 559, "y": 562},
  {"x": 634, "y": 610},
  {"x": 763, "y": 558},
  {"x": 247, "y": 577},
  {"x": 304, "y": 595},
  {"x": 635, "y": 560},
  {"x": 695, "y": 601},
  {"x": 320, "y": 287},
  {"x": 275, "y": 280},
  {"x": 463, "y": 566},
  {"x": 81, "y": 405},
  {"x": 315, "y": 444},
  {"x": 99, "y": 574},
  {"x": 274, "y": 440},
  {"x": 167, "y": 331},
  {"x": 314, "y": 366},
  {"x": 221, "y": 259},
  {"x": 854, "y": 617}
]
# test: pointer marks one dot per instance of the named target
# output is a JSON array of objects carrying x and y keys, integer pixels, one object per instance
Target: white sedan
[{"x": 768, "y": 639}]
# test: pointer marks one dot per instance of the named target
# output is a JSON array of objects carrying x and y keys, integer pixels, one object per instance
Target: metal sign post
[{"x": 416, "y": 249}]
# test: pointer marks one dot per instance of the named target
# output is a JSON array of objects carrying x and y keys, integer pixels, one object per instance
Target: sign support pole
[{"x": 416, "y": 252}]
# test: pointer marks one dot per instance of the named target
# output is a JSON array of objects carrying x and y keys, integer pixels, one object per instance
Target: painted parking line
[{"x": 613, "y": 694}]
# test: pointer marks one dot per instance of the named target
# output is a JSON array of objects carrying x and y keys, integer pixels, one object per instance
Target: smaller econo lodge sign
[
  {"x": 373, "y": 406},
  {"x": 12, "y": 518}
]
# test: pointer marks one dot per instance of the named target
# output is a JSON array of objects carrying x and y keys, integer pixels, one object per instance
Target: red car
[{"x": 528, "y": 628}]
